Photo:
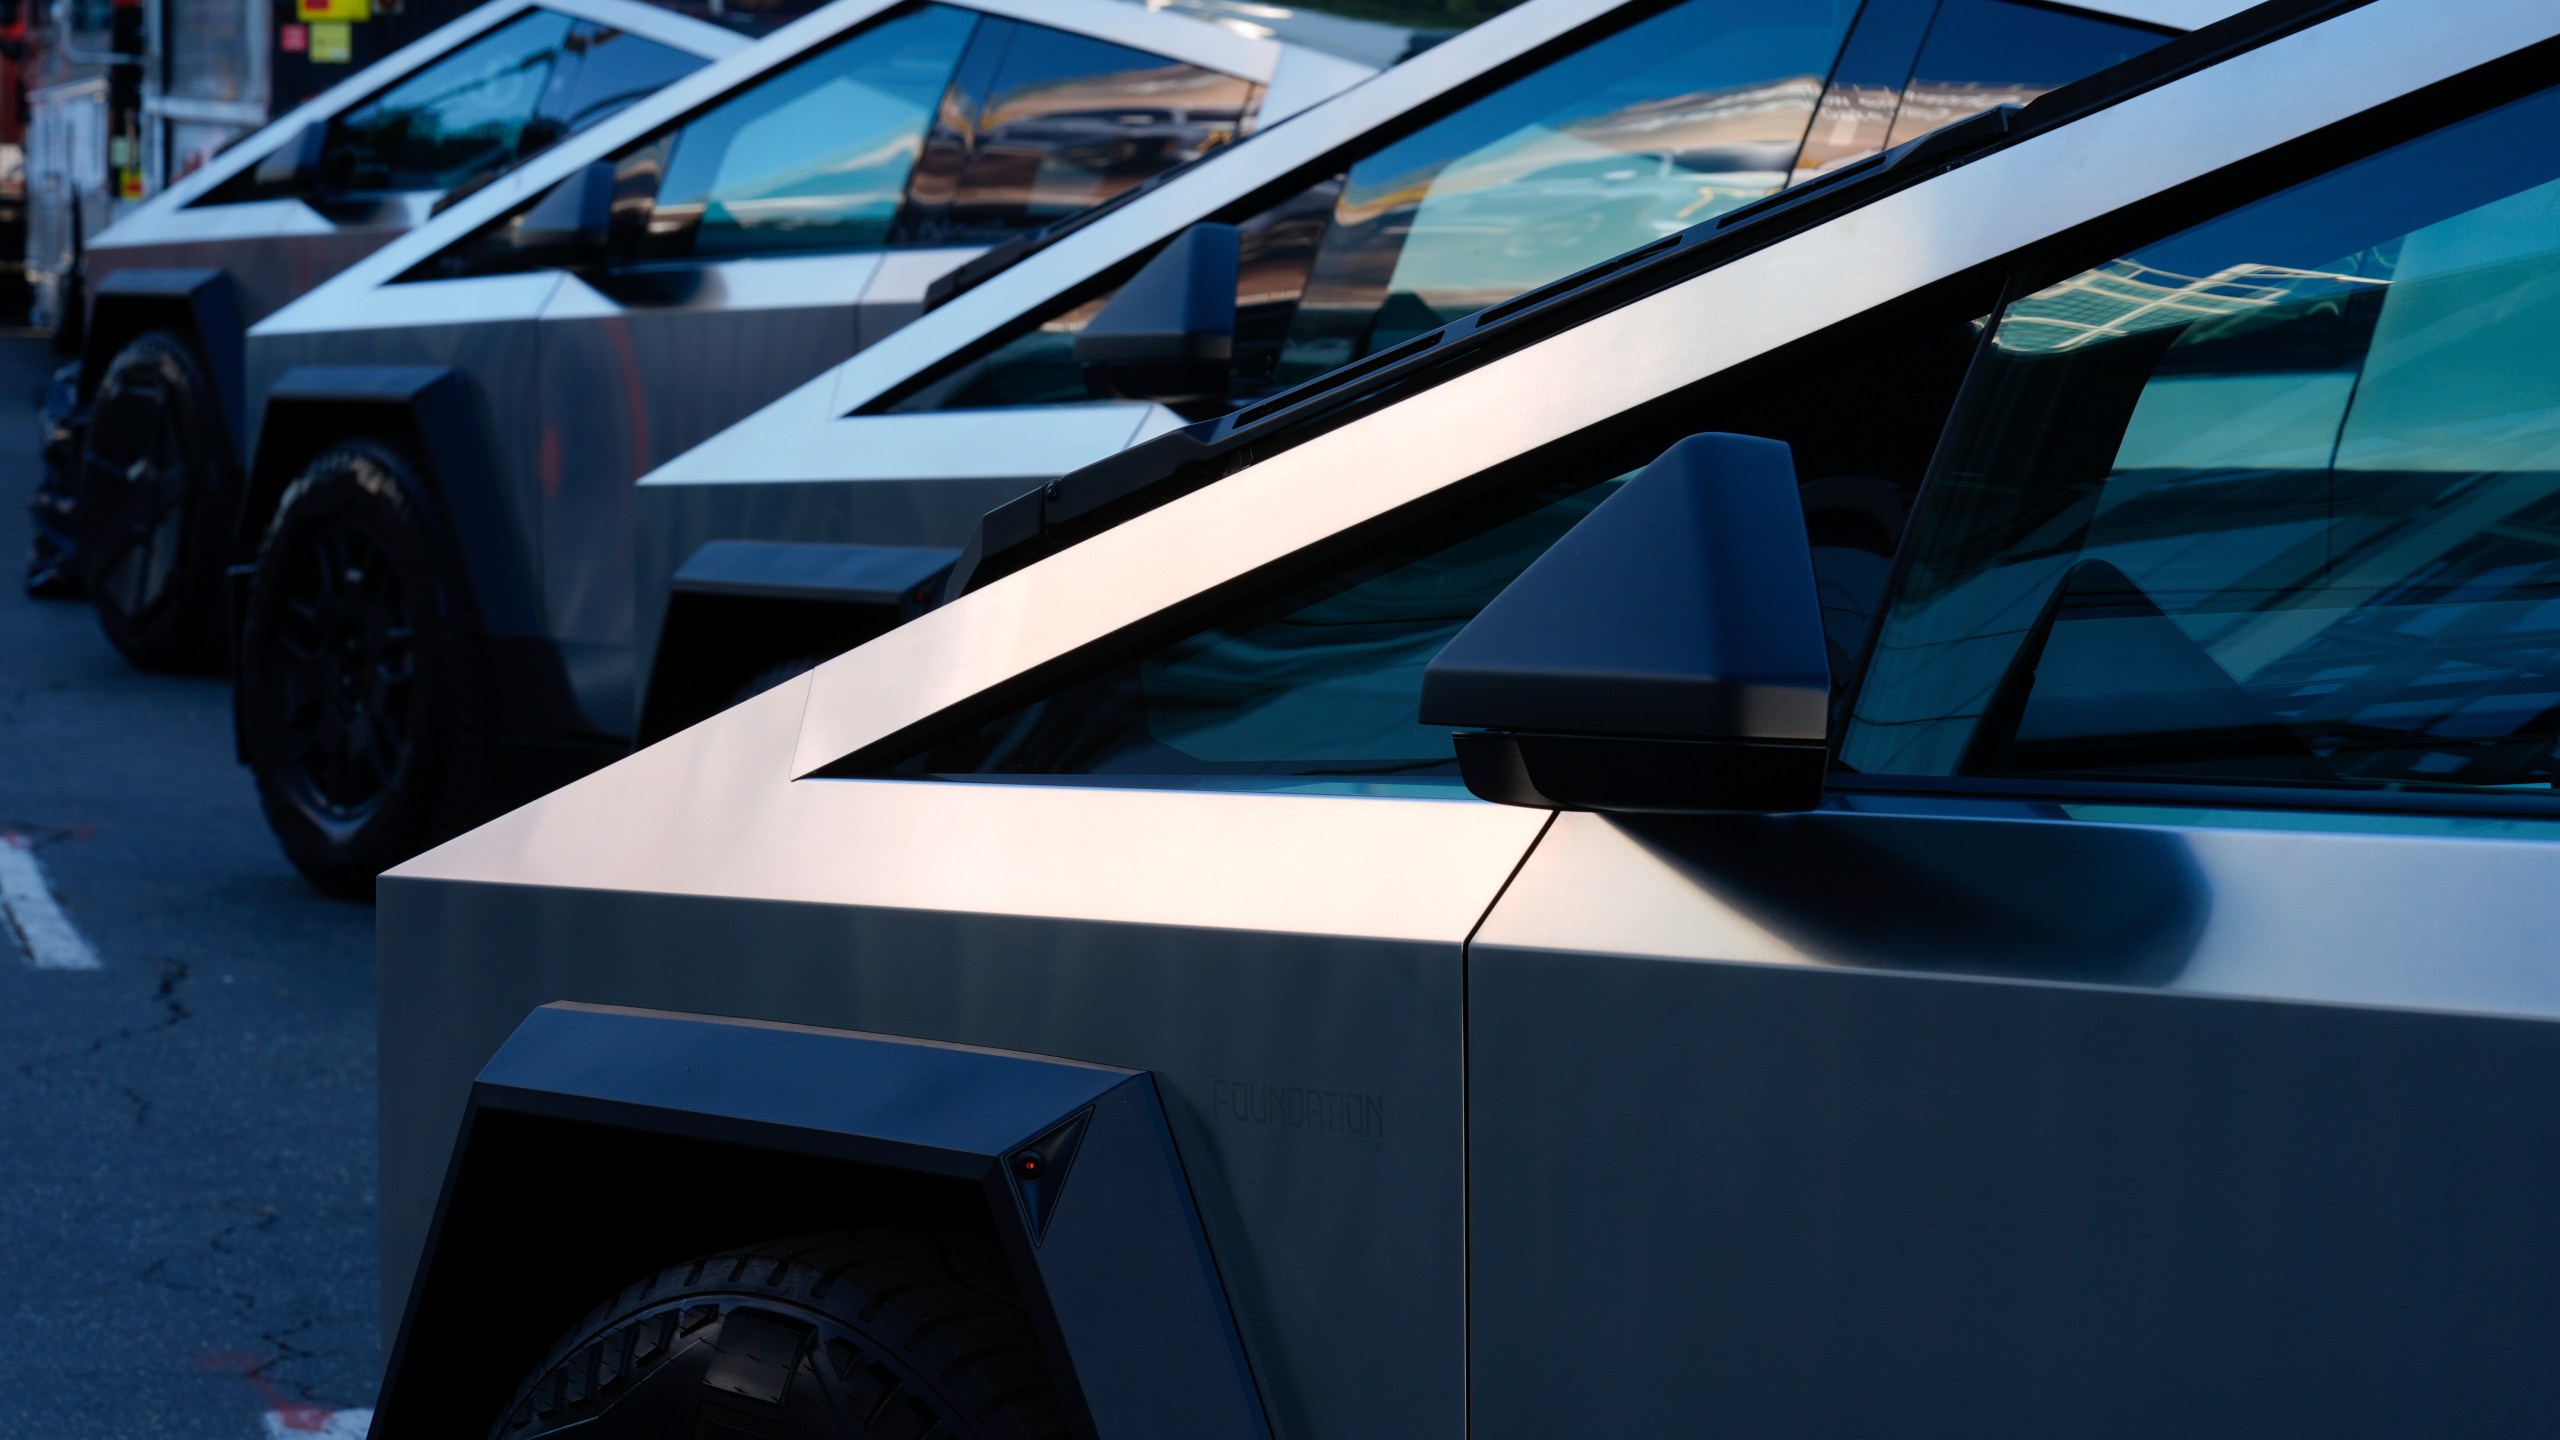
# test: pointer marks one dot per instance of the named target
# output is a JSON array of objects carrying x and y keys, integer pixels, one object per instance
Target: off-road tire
[
  {"x": 151, "y": 500},
  {"x": 904, "y": 1331},
  {"x": 366, "y": 707}
]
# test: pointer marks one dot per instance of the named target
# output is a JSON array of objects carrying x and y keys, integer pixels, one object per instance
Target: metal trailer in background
[{"x": 2115, "y": 1000}]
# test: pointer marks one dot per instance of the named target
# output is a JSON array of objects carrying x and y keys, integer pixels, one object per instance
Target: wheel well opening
[
  {"x": 551, "y": 1216},
  {"x": 116, "y": 320},
  {"x": 292, "y": 436}
]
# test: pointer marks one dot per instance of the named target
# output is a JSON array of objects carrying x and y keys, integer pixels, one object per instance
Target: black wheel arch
[
  {"x": 600, "y": 1143},
  {"x": 736, "y": 608},
  {"x": 201, "y": 305}
]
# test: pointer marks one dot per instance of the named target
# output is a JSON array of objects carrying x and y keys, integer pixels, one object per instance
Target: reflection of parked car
[
  {"x": 150, "y": 423},
  {"x": 2122, "y": 1008},
  {"x": 461, "y": 416},
  {"x": 777, "y": 543}
]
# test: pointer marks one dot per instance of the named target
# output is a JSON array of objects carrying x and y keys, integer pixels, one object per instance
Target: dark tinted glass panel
[
  {"x": 1325, "y": 679},
  {"x": 1667, "y": 123},
  {"x": 602, "y": 71},
  {"x": 1658, "y": 127},
  {"x": 814, "y": 157},
  {"x": 2275, "y": 500},
  {"x": 1982, "y": 53},
  {"x": 1069, "y": 122},
  {"x": 458, "y": 118}
]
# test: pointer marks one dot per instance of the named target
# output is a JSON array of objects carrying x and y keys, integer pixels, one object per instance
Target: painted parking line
[
  {"x": 310, "y": 1422},
  {"x": 28, "y": 911}
]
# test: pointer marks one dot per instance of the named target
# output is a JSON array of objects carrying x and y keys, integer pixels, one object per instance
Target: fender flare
[
  {"x": 760, "y": 602},
  {"x": 433, "y": 407},
  {"x": 1108, "y": 1249},
  {"x": 204, "y": 301}
]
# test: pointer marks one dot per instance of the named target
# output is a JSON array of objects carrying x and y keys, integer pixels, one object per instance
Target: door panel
[
  {"x": 636, "y": 373},
  {"x": 2014, "y": 1122}
]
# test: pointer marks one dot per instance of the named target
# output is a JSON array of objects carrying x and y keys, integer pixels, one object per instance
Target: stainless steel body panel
[
  {"x": 1288, "y": 966},
  {"x": 639, "y": 374},
  {"x": 1893, "y": 1095}
]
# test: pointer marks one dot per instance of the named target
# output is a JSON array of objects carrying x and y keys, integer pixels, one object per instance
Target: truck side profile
[
  {"x": 1932, "y": 812},
  {"x": 504, "y": 373},
  {"x": 150, "y": 421}
]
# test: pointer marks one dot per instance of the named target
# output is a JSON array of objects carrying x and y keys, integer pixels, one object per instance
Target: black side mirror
[
  {"x": 296, "y": 166},
  {"x": 1170, "y": 333},
  {"x": 570, "y": 227},
  {"x": 1665, "y": 656}
]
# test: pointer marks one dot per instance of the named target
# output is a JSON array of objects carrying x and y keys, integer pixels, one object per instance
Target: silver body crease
[
  {"x": 584, "y": 391},
  {"x": 1431, "y": 1063},
  {"x": 277, "y": 250}
]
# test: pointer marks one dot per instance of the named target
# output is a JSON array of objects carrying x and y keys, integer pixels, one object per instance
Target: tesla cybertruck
[
  {"x": 442, "y": 430},
  {"x": 147, "y": 422},
  {"x": 839, "y": 510},
  {"x": 601, "y": 654},
  {"x": 1927, "y": 813}
]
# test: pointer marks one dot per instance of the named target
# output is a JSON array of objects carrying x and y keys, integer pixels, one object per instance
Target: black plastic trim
[
  {"x": 1110, "y": 1258},
  {"x": 205, "y": 301}
]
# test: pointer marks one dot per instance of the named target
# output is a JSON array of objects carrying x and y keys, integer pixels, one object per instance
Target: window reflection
[
  {"x": 2276, "y": 500},
  {"x": 1673, "y": 120}
]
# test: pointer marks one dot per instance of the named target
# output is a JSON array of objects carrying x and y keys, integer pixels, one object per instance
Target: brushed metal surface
[
  {"x": 1942, "y": 1124},
  {"x": 1581, "y": 377},
  {"x": 633, "y": 374},
  {"x": 1241, "y": 946}
]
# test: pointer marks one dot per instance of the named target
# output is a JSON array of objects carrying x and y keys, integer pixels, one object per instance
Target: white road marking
[
  {"x": 33, "y": 917},
  {"x": 310, "y": 1422}
]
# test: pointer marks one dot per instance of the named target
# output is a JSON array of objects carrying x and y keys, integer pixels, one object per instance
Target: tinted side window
[
  {"x": 1322, "y": 676},
  {"x": 1666, "y": 123},
  {"x": 1982, "y": 53},
  {"x": 1673, "y": 120},
  {"x": 603, "y": 70},
  {"x": 2275, "y": 500},
  {"x": 814, "y": 157},
  {"x": 460, "y": 117},
  {"x": 1063, "y": 122}
]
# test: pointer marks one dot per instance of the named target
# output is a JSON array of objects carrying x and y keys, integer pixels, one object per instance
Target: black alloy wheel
[
  {"x": 890, "y": 1331},
  {"x": 363, "y": 697},
  {"x": 150, "y": 505}
]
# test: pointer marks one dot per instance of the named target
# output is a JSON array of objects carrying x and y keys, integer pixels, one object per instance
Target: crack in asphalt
[{"x": 173, "y": 1012}]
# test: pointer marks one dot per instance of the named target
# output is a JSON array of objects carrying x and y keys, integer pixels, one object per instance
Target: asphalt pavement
[{"x": 187, "y": 1210}]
